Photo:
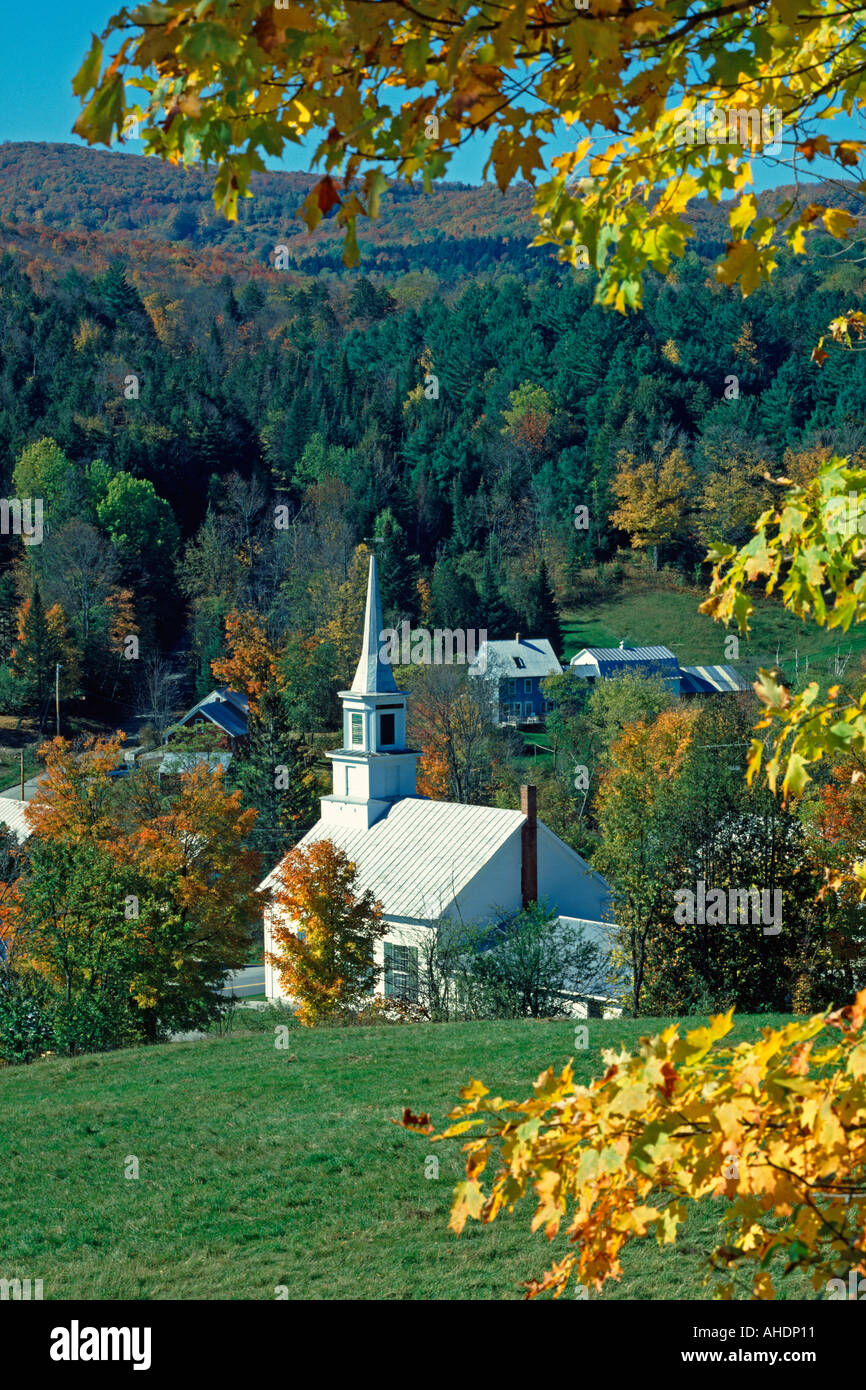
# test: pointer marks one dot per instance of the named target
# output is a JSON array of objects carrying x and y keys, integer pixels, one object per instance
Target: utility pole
[{"x": 57, "y": 669}]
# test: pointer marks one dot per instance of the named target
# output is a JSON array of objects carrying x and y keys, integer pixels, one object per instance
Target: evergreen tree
[
  {"x": 541, "y": 612},
  {"x": 39, "y": 647},
  {"x": 272, "y": 773},
  {"x": 397, "y": 570},
  {"x": 494, "y": 612},
  {"x": 455, "y": 602}
]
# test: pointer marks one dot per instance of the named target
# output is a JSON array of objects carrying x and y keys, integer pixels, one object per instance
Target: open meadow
[{"x": 262, "y": 1167}]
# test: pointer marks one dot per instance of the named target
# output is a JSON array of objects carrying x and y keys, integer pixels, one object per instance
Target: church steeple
[
  {"x": 373, "y": 676},
  {"x": 374, "y": 768}
]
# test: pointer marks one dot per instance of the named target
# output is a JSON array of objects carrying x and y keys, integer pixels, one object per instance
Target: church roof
[
  {"x": 373, "y": 676},
  {"x": 13, "y": 814},
  {"x": 421, "y": 854}
]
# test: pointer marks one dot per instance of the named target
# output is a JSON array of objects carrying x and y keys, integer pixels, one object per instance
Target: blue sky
[{"x": 44, "y": 43}]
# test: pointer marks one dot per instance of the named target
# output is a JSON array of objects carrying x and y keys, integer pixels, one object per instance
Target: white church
[{"x": 428, "y": 860}]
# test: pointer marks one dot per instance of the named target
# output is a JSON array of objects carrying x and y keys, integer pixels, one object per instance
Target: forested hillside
[{"x": 459, "y": 420}]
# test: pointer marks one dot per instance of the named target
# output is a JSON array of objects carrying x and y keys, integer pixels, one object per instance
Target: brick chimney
[{"x": 529, "y": 847}]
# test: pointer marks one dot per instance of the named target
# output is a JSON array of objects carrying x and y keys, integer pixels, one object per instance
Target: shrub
[{"x": 26, "y": 1029}]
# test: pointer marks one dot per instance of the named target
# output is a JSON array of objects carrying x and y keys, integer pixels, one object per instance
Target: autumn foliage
[
  {"x": 251, "y": 662},
  {"x": 132, "y": 894},
  {"x": 775, "y": 1126},
  {"x": 325, "y": 931}
]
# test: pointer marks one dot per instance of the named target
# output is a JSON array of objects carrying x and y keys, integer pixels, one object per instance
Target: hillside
[
  {"x": 260, "y": 1167},
  {"x": 74, "y": 205}
]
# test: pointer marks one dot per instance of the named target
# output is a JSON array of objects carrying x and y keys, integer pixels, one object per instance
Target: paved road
[
  {"x": 243, "y": 983},
  {"x": 14, "y": 792}
]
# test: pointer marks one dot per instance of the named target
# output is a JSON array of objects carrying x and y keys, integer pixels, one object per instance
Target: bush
[
  {"x": 97, "y": 1022},
  {"x": 26, "y": 1028}
]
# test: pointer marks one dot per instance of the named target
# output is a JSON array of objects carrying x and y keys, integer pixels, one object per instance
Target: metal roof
[
  {"x": 228, "y": 709},
  {"x": 612, "y": 660},
  {"x": 421, "y": 854},
  {"x": 500, "y": 658},
  {"x": 712, "y": 680},
  {"x": 13, "y": 816},
  {"x": 221, "y": 713}
]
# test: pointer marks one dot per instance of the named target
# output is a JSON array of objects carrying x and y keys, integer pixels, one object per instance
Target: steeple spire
[{"x": 373, "y": 676}]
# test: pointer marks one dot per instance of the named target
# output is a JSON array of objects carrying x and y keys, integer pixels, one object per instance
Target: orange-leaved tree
[
  {"x": 175, "y": 870},
  {"x": 776, "y": 1126},
  {"x": 251, "y": 663},
  {"x": 325, "y": 930}
]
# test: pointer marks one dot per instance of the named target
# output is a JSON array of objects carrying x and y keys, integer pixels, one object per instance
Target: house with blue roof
[
  {"x": 606, "y": 663},
  {"x": 226, "y": 709}
]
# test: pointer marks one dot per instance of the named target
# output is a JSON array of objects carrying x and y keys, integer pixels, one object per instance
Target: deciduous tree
[{"x": 325, "y": 931}]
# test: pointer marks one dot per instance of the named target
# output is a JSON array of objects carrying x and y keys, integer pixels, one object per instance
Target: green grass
[
  {"x": 10, "y": 768},
  {"x": 257, "y": 1170},
  {"x": 643, "y": 613}
]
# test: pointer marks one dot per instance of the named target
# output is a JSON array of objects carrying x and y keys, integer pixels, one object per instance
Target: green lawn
[
  {"x": 10, "y": 768},
  {"x": 257, "y": 1170},
  {"x": 643, "y": 614}
]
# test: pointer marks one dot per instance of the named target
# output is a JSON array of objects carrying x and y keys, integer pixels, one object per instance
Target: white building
[{"x": 424, "y": 859}]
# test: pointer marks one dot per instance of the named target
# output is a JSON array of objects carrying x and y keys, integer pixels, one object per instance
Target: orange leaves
[
  {"x": 324, "y": 931},
  {"x": 251, "y": 663},
  {"x": 75, "y": 799},
  {"x": 623, "y": 1157},
  {"x": 420, "y": 1124}
]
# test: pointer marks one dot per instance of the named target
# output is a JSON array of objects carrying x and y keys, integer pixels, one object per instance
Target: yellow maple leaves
[{"x": 775, "y": 1126}]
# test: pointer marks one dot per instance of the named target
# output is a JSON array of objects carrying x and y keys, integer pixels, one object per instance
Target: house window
[
  {"x": 527, "y": 687},
  {"x": 357, "y": 729},
  {"x": 527, "y": 708},
  {"x": 515, "y": 710},
  {"x": 512, "y": 687},
  {"x": 401, "y": 972},
  {"x": 386, "y": 729},
  {"x": 519, "y": 663}
]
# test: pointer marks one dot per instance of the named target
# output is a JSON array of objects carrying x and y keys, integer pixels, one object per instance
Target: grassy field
[
  {"x": 261, "y": 1167},
  {"x": 642, "y": 613}
]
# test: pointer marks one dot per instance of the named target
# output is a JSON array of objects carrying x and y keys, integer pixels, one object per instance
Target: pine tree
[
  {"x": 272, "y": 773},
  {"x": 542, "y": 614},
  {"x": 495, "y": 613},
  {"x": 39, "y": 646}
]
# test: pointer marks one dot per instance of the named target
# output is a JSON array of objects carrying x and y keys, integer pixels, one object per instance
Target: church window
[
  {"x": 387, "y": 728},
  {"x": 357, "y": 728},
  {"x": 401, "y": 972}
]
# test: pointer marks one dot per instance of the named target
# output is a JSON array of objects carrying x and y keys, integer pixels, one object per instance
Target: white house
[{"x": 427, "y": 859}]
